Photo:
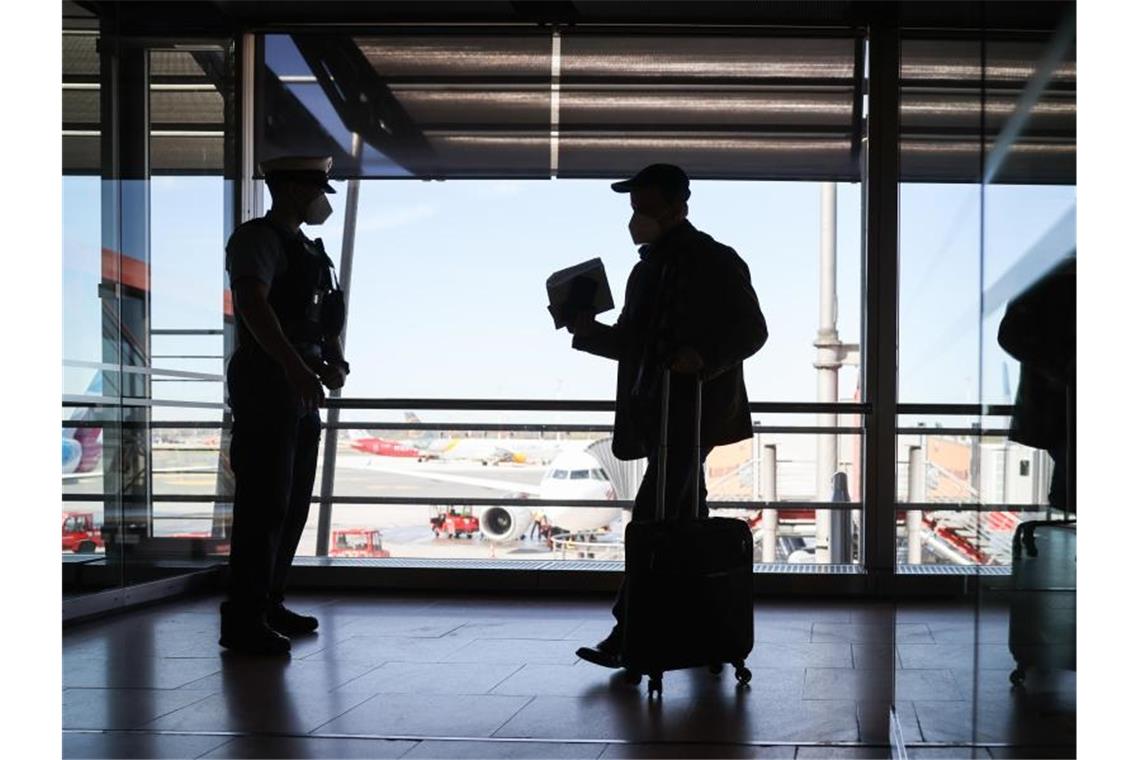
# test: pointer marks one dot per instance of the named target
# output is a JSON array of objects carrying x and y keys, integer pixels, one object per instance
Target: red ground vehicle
[
  {"x": 455, "y": 523},
  {"x": 357, "y": 542},
  {"x": 80, "y": 534}
]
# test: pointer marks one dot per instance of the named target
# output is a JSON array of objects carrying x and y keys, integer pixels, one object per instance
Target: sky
[{"x": 448, "y": 286}]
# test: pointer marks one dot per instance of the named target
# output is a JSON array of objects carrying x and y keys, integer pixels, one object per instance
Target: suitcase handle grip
[{"x": 663, "y": 446}]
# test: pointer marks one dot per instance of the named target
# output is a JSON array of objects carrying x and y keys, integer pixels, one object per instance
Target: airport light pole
[
  {"x": 915, "y": 493},
  {"x": 769, "y": 518},
  {"x": 832, "y": 529},
  {"x": 332, "y": 414}
]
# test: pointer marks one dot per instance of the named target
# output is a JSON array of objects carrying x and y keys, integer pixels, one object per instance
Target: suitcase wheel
[
  {"x": 716, "y": 668},
  {"x": 743, "y": 674},
  {"x": 1017, "y": 677},
  {"x": 655, "y": 685}
]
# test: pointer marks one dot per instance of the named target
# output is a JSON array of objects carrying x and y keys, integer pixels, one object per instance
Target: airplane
[
  {"x": 484, "y": 450},
  {"x": 370, "y": 444},
  {"x": 83, "y": 446},
  {"x": 572, "y": 475}
]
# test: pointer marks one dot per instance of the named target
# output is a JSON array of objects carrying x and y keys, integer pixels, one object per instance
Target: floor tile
[
  {"x": 780, "y": 720},
  {"x": 416, "y": 626},
  {"x": 599, "y": 718},
  {"x": 140, "y": 672},
  {"x": 845, "y": 683},
  {"x": 1034, "y": 753},
  {"x": 927, "y": 656},
  {"x": 431, "y": 678},
  {"x": 670, "y": 751},
  {"x": 874, "y": 721},
  {"x": 131, "y": 745},
  {"x": 334, "y": 748},
  {"x": 500, "y": 628},
  {"x": 811, "y": 655},
  {"x": 377, "y": 650},
  {"x": 1002, "y": 721},
  {"x": 514, "y": 651},
  {"x": 802, "y": 612},
  {"x": 258, "y": 709},
  {"x": 875, "y": 656},
  {"x": 912, "y": 633},
  {"x": 280, "y": 674},
  {"x": 947, "y": 753},
  {"x": 592, "y": 681},
  {"x": 844, "y": 753},
  {"x": 427, "y": 715},
  {"x": 492, "y": 750},
  {"x": 781, "y": 631},
  {"x": 121, "y": 708}
]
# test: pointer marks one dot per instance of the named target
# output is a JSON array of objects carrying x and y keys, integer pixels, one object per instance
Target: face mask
[
  {"x": 644, "y": 229},
  {"x": 318, "y": 210}
]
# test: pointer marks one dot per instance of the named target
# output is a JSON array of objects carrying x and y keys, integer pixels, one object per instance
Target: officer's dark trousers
[
  {"x": 273, "y": 453},
  {"x": 680, "y": 478}
]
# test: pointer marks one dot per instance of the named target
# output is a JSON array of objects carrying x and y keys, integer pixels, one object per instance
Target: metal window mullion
[
  {"x": 332, "y": 415},
  {"x": 881, "y": 378}
]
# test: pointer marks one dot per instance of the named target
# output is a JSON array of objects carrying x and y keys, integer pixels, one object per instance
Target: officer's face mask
[
  {"x": 318, "y": 210},
  {"x": 644, "y": 228}
]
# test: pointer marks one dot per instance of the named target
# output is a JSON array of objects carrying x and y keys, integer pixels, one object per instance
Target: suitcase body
[
  {"x": 688, "y": 593},
  {"x": 1043, "y": 598}
]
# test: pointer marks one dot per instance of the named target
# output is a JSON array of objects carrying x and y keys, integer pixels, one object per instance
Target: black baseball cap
[{"x": 670, "y": 179}]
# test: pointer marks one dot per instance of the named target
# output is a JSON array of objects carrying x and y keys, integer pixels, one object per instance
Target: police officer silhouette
[{"x": 290, "y": 314}]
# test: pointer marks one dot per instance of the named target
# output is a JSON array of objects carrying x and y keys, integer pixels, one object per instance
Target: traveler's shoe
[
  {"x": 249, "y": 634},
  {"x": 288, "y": 622},
  {"x": 606, "y": 652}
]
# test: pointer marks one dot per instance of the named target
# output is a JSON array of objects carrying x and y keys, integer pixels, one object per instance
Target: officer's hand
[
  {"x": 307, "y": 386},
  {"x": 333, "y": 376},
  {"x": 687, "y": 361},
  {"x": 584, "y": 325}
]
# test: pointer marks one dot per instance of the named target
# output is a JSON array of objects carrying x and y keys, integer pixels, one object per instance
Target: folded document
[{"x": 580, "y": 288}]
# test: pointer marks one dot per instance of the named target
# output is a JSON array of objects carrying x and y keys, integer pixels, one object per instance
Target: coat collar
[{"x": 667, "y": 241}]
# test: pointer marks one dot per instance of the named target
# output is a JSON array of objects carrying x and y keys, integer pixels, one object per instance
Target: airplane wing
[{"x": 442, "y": 477}]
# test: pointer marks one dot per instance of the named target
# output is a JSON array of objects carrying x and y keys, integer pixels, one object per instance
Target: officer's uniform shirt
[{"x": 256, "y": 251}]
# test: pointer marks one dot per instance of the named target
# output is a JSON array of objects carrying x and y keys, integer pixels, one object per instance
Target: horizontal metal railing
[{"x": 569, "y": 406}]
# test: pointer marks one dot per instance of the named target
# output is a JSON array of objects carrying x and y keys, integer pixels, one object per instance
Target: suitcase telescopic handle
[{"x": 663, "y": 446}]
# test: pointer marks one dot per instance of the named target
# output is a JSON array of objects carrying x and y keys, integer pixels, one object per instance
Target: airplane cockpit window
[
  {"x": 599, "y": 474},
  {"x": 559, "y": 475},
  {"x": 580, "y": 475}
]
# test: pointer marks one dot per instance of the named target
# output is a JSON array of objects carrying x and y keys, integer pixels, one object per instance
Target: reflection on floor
[{"x": 417, "y": 677}]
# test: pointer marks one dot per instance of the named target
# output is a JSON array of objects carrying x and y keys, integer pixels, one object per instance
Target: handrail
[
  {"x": 440, "y": 501},
  {"x": 797, "y": 506},
  {"x": 573, "y": 405}
]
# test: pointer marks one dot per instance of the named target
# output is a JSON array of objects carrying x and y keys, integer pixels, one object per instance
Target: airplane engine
[
  {"x": 505, "y": 523},
  {"x": 72, "y": 455}
]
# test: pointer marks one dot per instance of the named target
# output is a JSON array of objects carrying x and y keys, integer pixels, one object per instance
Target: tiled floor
[{"x": 423, "y": 677}]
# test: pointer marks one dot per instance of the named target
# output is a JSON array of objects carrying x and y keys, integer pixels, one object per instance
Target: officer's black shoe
[
  {"x": 288, "y": 622},
  {"x": 606, "y": 652},
  {"x": 249, "y": 634}
]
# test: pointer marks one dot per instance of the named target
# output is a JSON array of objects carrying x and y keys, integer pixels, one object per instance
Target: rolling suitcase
[
  {"x": 688, "y": 593},
  {"x": 1043, "y": 597}
]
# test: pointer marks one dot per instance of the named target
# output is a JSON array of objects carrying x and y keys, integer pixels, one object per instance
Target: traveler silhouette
[
  {"x": 1039, "y": 329},
  {"x": 290, "y": 316},
  {"x": 690, "y": 307}
]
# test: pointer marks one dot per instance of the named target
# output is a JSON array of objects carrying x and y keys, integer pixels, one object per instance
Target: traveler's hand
[
  {"x": 306, "y": 385},
  {"x": 584, "y": 325},
  {"x": 333, "y": 376},
  {"x": 687, "y": 361}
]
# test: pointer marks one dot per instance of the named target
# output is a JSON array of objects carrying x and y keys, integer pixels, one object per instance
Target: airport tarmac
[{"x": 405, "y": 530}]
